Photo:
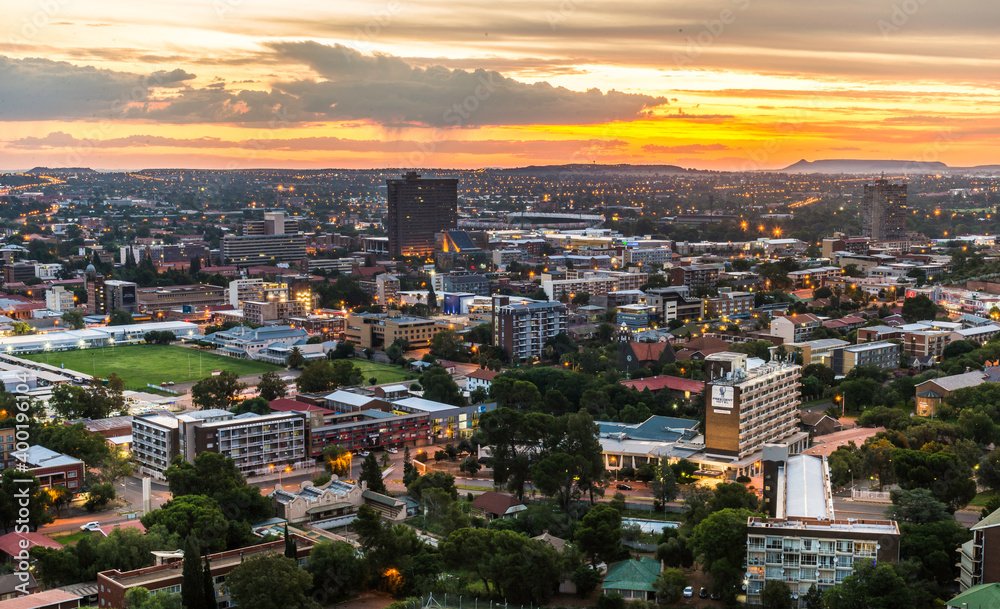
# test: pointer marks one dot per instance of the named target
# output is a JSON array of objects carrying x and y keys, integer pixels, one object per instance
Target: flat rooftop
[{"x": 878, "y": 527}]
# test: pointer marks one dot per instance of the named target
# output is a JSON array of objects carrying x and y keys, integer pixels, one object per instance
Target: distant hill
[
  {"x": 592, "y": 169},
  {"x": 61, "y": 170},
  {"x": 865, "y": 166}
]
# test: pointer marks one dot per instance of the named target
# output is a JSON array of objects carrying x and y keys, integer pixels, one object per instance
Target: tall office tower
[
  {"x": 418, "y": 210},
  {"x": 883, "y": 210}
]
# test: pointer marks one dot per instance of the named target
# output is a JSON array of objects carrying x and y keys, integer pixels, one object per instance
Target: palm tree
[{"x": 295, "y": 359}]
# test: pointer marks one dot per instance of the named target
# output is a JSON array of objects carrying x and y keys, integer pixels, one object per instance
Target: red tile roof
[
  {"x": 482, "y": 374},
  {"x": 41, "y": 599},
  {"x": 128, "y": 524},
  {"x": 495, "y": 503},
  {"x": 674, "y": 383},
  {"x": 286, "y": 405},
  {"x": 11, "y": 542},
  {"x": 645, "y": 352}
]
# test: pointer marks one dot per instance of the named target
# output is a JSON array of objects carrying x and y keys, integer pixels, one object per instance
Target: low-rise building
[
  {"x": 795, "y": 328},
  {"x": 52, "y": 468},
  {"x": 380, "y": 330},
  {"x": 167, "y": 577},
  {"x": 931, "y": 393}
]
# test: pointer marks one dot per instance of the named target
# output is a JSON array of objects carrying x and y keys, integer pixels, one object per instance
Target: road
[{"x": 847, "y": 508}]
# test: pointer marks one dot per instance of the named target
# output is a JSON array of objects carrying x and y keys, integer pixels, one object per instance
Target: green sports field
[
  {"x": 141, "y": 364},
  {"x": 385, "y": 373}
]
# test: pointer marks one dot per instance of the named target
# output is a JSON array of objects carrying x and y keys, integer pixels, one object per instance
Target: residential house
[
  {"x": 480, "y": 378},
  {"x": 633, "y": 579},
  {"x": 700, "y": 348},
  {"x": 12, "y": 544},
  {"x": 492, "y": 505}
]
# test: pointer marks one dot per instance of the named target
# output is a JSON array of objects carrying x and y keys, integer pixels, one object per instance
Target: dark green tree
[
  {"x": 193, "y": 584},
  {"x": 291, "y": 550},
  {"x": 599, "y": 534},
  {"x": 776, "y": 595},
  {"x": 209, "y": 582},
  {"x": 295, "y": 359},
  {"x": 270, "y": 386},
  {"x": 870, "y": 586},
  {"x": 220, "y": 391},
  {"x": 120, "y": 318},
  {"x": 372, "y": 475},
  {"x": 439, "y": 386},
  {"x": 268, "y": 580}
]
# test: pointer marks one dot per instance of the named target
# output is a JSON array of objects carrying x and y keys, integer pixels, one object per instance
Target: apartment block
[
  {"x": 59, "y": 299},
  {"x": 239, "y": 290},
  {"x": 244, "y": 251},
  {"x": 379, "y": 330},
  {"x": 926, "y": 343},
  {"x": 981, "y": 554},
  {"x": 387, "y": 290},
  {"x": 749, "y": 406},
  {"x": 521, "y": 329},
  {"x": 675, "y": 303},
  {"x": 883, "y": 355},
  {"x": 639, "y": 256},
  {"x": 729, "y": 304},
  {"x": 273, "y": 311},
  {"x": 595, "y": 283},
  {"x": 254, "y": 442},
  {"x": 7, "y": 444},
  {"x": 801, "y": 542},
  {"x": 695, "y": 275}
]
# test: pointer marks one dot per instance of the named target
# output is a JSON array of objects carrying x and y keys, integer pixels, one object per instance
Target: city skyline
[{"x": 727, "y": 85}]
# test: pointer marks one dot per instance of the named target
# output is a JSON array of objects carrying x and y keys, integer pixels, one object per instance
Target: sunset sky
[{"x": 710, "y": 84}]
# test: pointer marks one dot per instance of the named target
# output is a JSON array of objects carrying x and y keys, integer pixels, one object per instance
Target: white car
[
  {"x": 364, "y": 453},
  {"x": 392, "y": 451},
  {"x": 688, "y": 592},
  {"x": 91, "y": 526}
]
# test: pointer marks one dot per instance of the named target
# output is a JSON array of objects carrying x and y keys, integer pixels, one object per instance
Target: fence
[
  {"x": 871, "y": 496},
  {"x": 457, "y": 602}
]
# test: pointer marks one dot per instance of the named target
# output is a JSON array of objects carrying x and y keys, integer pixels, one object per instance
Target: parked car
[
  {"x": 715, "y": 596},
  {"x": 688, "y": 592},
  {"x": 91, "y": 526},
  {"x": 392, "y": 450},
  {"x": 624, "y": 487},
  {"x": 703, "y": 593}
]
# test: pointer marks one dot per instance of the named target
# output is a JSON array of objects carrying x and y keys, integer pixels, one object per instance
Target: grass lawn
[
  {"x": 982, "y": 499},
  {"x": 141, "y": 364},
  {"x": 69, "y": 538},
  {"x": 384, "y": 373}
]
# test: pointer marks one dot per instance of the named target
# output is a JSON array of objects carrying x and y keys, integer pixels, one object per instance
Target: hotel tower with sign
[{"x": 748, "y": 406}]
